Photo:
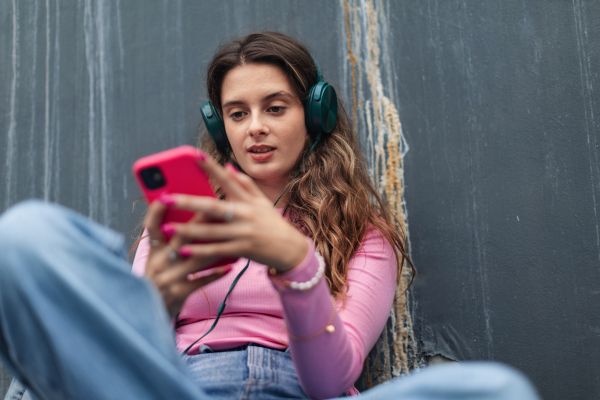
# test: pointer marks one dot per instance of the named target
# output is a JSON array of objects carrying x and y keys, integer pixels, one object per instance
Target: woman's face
[{"x": 264, "y": 121}]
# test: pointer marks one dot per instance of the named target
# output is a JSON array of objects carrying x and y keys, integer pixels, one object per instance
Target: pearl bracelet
[{"x": 304, "y": 286}]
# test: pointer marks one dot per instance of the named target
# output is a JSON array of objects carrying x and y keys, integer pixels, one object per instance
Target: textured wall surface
[
  {"x": 497, "y": 105},
  {"x": 499, "y": 102}
]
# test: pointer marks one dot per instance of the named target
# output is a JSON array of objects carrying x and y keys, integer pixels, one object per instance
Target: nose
[{"x": 257, "y": 126}]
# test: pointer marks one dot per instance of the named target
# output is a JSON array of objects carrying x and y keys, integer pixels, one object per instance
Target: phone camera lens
[{"x": 152, "y": 177}]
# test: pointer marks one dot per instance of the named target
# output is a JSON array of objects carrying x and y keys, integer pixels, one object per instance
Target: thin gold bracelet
[{"x": 329, "y": 328}]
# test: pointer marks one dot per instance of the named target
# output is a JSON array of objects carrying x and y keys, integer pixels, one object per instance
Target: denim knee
[
  {"x": 24, "y": 223},
  {"x": 491, "y": 380},
  {"x": 454, "y": 381},
  {"x": 508, "y": 382},
  {"x": 21, "y": 222},
  {"x": 27, "y": 230}
]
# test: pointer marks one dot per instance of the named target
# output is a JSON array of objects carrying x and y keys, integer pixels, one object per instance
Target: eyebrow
[{"x": 266, "y": 98}]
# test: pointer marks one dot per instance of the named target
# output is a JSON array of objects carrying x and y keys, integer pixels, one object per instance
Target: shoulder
[
  {"x": 374, "y": 241},
  {"x": 374, "y": 254}
]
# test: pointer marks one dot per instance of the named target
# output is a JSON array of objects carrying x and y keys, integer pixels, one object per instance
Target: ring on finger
[
  {"x": 229, "y": 213},
  {"x": 154, "y": 243}
]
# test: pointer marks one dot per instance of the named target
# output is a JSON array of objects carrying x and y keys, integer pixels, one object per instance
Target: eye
[
  {"x": 276, "y": 109},
  {"x": 237, "y": 115}
]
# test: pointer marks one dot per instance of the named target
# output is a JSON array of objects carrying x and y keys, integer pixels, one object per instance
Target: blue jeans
[{"x": 74, "y": 323}]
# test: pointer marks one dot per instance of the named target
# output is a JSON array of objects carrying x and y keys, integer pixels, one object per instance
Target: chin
[{"x": 264, "y": 173}]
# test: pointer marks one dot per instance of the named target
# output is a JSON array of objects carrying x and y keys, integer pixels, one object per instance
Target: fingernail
[
  {"x": 185, "y": 252},
  {"x": 167, "y": 199},
  {"x": 167, "y": 229},
  {"x": 201, "y": 155},
  {"x": 226, "y": 269},
  {"x": 231, "y": 167}
]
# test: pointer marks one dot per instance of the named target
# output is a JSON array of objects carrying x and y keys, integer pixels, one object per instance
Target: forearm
[{"x": 326, "y": 362}]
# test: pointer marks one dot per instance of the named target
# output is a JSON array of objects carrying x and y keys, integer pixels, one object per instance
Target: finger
[
  {"x": 231, "y": 248},
  {"x": 210, "y": 271},
  {"x": 193, "y": 231},
  {"x": 199, "y": 217},
  {"x": 174, "y": 295},
  {"x": 231, "y": 187},
  {"x": 154, "y": 219},
  {"x": 158, "y": 260},
  {"x": 196, "y": 284},
  {"x": 207, "y": 232},
  {"x": 212, "y": 208},
  {"x": 177, "y": 240},
  {"x": 171, "y": 229},
  {"x": 181, "y": 270}
]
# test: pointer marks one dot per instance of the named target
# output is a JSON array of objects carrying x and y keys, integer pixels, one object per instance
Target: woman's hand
[
  {"x": 250, "y": 226},
  {"x": 246, "y": 226},
  {"x": 170, "y": 272}
]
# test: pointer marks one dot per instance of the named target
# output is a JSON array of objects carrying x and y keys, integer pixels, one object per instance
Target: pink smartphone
[{"x": 175, "y": 171}]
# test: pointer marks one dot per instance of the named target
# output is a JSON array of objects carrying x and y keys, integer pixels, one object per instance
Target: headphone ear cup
[
  {"x": 214, "y": 126},
  {"x": 321, "y": 109},
  {"x": 308, "y": 110}
]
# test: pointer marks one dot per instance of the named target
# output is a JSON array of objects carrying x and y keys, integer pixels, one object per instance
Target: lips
[{"x": 261, "y": 152}]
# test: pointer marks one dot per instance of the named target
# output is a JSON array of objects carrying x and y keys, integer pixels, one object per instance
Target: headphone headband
[{"x": 319, "y": 74}]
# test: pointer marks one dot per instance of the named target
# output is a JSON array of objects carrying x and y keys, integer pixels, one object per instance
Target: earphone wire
[{"x": 237, "y": 278}]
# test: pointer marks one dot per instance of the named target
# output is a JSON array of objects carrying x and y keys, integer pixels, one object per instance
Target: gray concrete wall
[
  {"x": 499, "y": 137},
  {"x": 499, "y": 102}
]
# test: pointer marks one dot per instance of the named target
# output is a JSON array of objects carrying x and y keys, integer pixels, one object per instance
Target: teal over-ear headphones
[{"x": 320, "y": 113}]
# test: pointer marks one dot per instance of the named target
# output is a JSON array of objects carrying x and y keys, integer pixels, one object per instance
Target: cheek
[
  {"x": 297, "y": 135},
  {"x": 235, "y": 137},
  {"x": 300, "y": 142}
]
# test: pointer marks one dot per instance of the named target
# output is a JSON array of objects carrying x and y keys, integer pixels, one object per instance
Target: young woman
[
  {"x": 322, "y": 266},
  {"x": 329, "y": 214}
]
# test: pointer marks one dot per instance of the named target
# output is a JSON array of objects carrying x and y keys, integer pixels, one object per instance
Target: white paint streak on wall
[
  {"x": 47, "y": 110},
  {"x": 97, "y": 28},
  {"x": 121, "y": 46},
  {"x": 180, "y": 121},
  {"x": 120, "y": 38},
  {"x": 12, "y": 125},
  {"x": 387, "y": 59},
  {"x": 478, "y": 227},
  {"x": 587, "y": 90},
  {"x": 342, "y": 91},
  {"x": 55, "y": 122},
  {"x": 369, "y": 123},
  {"x": 367, "y": 26},
  {"x": 31, "y": 151},
  {"x": 358, "y": 25},
  {"x": 173, "y": 67},
  {"x": 88, "y": 30},
  {"x": 104, "y": 79}
]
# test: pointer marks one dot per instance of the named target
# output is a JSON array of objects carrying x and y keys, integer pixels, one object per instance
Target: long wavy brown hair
[{"x": 332, "y": 199}]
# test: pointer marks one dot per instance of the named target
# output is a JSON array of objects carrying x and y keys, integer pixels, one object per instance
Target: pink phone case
[{"x": 181, "y": 175}]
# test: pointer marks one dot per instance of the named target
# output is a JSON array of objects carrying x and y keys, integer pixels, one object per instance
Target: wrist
[
  {"x": 306, "y": 285},
  {"x": 294, "y": 253}
]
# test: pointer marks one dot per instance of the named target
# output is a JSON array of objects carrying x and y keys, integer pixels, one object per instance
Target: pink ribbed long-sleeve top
[{"x": 259, "y": 306}]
